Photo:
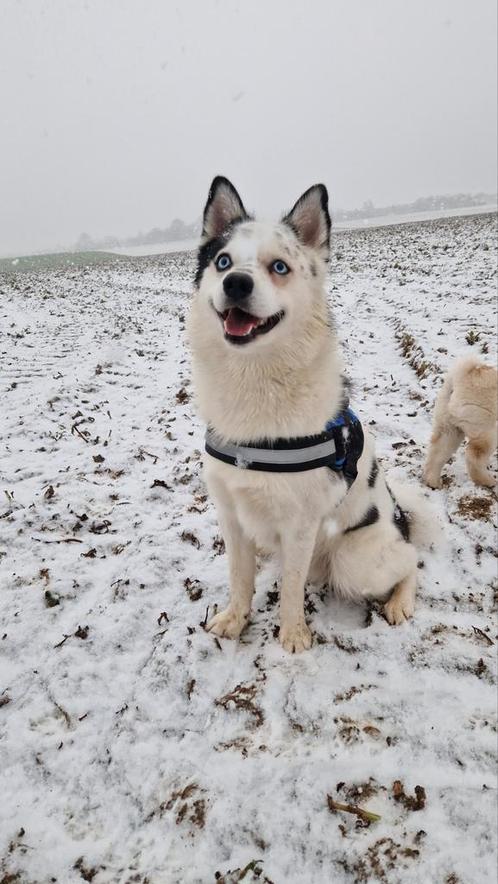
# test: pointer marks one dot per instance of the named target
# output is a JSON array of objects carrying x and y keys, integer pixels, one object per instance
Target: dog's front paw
[
  {"x": 486, "y": 480},
  {"x": 399, "y": 609},
  {"x": 432, "y": 480},
  {"x": 295, "y": 637},
  {"x": 227, "y": 624}
]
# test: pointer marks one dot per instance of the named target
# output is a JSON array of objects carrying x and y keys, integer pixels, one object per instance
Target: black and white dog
[{"x": 286, "y": 462}]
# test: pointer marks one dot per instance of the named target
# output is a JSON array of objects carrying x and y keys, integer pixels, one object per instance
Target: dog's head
[{"x": 257, "y": 281}]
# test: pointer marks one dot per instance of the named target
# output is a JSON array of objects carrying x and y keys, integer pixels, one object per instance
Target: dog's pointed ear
[
  {"x": 310, "y": 220},
  {"x": 223, "y": 208}
]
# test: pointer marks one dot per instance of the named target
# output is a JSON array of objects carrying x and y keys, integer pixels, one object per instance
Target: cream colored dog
[
  {"x": 466, "y": 407},
  {"x": 266, "y": 367}
]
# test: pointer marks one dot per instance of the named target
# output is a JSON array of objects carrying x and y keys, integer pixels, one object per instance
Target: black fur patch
[
  {"x": 401, "y": 522},
  {"x": 374, "y": 472},
  {"x": 347, "y": 386},
  {"x": 370, "y": 518},
  {"x": 400, "y": 518},
  {"x": 208, "y": 250}
]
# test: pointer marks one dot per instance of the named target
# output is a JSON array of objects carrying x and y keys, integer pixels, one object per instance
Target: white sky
[{"x": 116, "y": 114}]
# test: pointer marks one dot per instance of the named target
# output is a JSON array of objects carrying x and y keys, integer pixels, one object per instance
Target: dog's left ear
[
  {"x": 223, "y": 208},
  {"x": 310, "y": 219}
]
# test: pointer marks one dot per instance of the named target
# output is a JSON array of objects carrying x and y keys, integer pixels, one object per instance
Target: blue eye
[
  {"x": 223, "y": 262},
  {"x": 280, "y": 267}
]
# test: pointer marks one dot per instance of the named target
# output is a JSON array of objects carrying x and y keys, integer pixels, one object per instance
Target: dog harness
[{"x": 338, "y": 447}]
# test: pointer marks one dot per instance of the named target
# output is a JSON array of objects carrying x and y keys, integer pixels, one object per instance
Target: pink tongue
[{"x": 239, "y": 323}]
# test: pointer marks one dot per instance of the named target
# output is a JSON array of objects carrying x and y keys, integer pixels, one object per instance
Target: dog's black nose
[{"x": 238, "y": 286}]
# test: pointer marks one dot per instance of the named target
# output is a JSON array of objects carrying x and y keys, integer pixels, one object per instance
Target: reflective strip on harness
[
  {"x": 339, "y": 447},
  {"x": 247, "y": 455}
]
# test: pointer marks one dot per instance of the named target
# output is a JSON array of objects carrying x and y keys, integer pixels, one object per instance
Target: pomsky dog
[
  {"x": 266, "y": 368},
  {"x": 466, "y": 407}
]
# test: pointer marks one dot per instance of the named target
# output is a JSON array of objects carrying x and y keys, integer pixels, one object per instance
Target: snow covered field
[
  {"x": 161, "y": 248},
  {"x": 134, "y": 746},
  {"x": 186, "y": 245}
]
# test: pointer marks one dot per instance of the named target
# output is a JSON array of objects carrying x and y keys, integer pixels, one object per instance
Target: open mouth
[{"x": 241, "y": 327}]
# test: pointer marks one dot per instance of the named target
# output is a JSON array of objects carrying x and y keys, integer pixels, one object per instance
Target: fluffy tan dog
[{"x": 466, "y": 407}]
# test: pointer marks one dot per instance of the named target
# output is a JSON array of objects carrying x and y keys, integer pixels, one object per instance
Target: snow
[
  {"x": 162, "y": 248},
  {"x": 135, "y": 746}
]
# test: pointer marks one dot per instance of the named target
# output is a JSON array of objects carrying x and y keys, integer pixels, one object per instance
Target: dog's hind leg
[
  {"x": 376, "y": 567},
  {"x": 477, "y": 456},
  {"x": 444, "y": 442},
  {"x": 242, "y": 566},
  {"x": 401, "y": 604}
]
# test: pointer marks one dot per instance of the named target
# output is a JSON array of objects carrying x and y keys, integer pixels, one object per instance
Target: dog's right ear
[{"x": 223, "y": 208}]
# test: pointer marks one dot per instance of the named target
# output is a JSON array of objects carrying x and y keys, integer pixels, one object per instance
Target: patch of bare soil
[
  {"x": 414, "y": 354},
  {"x": 410, "y": 802},
  {"x": 475, "y": 507},
  {"x": 253, "y": 871},
  {"x": 242, "y": 697},
  {"x": 188, "y": 806},
  {"x": 381, "y": 859}
]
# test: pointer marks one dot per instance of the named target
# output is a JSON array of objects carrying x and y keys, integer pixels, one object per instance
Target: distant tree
[
  {"x": 154, "y": 236},
  {"x": 85, "y": 243},
  {"x": 177, "y": 229},
  {"x": 108, "y": 242}
]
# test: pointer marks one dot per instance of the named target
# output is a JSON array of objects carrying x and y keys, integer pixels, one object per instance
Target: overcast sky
[{"x": 116, "y": 114}]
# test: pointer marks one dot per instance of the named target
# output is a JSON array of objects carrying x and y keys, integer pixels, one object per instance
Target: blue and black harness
[{"x": 339, "y": 447}]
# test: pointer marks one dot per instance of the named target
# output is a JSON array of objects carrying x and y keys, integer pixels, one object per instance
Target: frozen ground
[{"x": 134, "y": 746}]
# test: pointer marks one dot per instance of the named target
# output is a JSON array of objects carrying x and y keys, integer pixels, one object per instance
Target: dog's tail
[{"x": 424, "y": 524}]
